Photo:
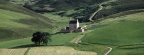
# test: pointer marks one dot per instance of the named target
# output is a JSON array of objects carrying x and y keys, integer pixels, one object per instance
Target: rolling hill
[
  {"x": 19, "y": 22},
  {"x": 124, "y": 34},
  {"x": 84, "y": 8},
  {"x": 119, "y": 6},
  {"x": 120, "y": 27}
]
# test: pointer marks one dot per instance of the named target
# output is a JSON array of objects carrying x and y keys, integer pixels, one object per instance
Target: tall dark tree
[
  {"x": 46, "y": 37},
  {"x": 41, "y": 38}
]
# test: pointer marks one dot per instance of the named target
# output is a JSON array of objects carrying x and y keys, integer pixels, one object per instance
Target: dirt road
[
  {"x": 110, "y": 49},
  {"x": 100, "y": 8},
  {"x": 77, "y": 39}
]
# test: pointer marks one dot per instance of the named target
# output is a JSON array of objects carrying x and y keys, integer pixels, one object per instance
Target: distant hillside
[
  {"x": 124, "y": 34},
  {"x": 120, "y": 6},
  {"x": 81, "y": 9},
  {"x": 59, "y": 4},
  {"x": 18, "y": 22}
]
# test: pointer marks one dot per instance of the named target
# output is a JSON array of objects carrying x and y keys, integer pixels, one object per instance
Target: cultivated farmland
[
  {"x": 57, "y": 50},
  {"x": 20, "y": 51}
]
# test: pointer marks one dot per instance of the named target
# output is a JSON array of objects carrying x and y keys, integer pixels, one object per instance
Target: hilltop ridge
[{"x": 19, "y": 22}]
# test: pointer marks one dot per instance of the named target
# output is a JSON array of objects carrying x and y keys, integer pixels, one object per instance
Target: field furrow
[
  {"x": 57, "y": 50},
  {"x": 20, "y": 51}
]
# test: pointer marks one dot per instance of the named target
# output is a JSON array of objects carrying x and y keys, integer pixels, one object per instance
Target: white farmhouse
[{"x": 73, "y": 27}]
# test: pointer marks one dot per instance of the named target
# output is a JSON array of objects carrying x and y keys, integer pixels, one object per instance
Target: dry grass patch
[
  {"x": 57, "y": 50},
  {"x": 13, "y": 51}
]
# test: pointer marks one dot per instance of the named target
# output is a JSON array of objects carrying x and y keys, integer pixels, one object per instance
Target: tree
[
  {"x": 46, "y": 37},
  {"x": 41, "y": 37}
]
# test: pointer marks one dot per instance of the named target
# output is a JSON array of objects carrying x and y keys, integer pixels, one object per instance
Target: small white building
[{"x": 73, "y": 27}]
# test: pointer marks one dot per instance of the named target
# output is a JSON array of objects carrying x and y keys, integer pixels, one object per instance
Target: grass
[
  {"x": 19, "y": 22},
  {"x": 124, "y": 34},
  {"x": 60, "y": 22},
  {"x": 119, "y": 6},
  {"x": 56, "y": 17},
  {"x": 126, "y": 13},
  {"x": 15, "y": 25},
  {"x": 8, "y": 16},
  {"x": 57, "y": 39},
  {"x": 137, "y": 51},
  {"x": 19, "y": 9},
  {"x": 119, "y": 31},
  {"x": 13, "y": 51},
  {"x": 14, "y": 43},
  {"x": 62, "y": 39},
  {"x": 27, "y": 51},
  {"x": 9, "y": 28},
  {"x": 65, "y": 38},
  {"x": 99, "y": 49},
  {"x": 57, "y": 50}
]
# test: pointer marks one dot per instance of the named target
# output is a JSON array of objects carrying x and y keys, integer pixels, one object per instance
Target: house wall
[
  {"x": 77, "y": 23},
  {"x": 72, "y": 26}
]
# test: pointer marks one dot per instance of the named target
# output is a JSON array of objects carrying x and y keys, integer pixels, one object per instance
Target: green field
[
  {"x": 15, "y": 43},
  {"x": 19, "y": 22},
  {"x": 63, "y": 39},
  {"x": 59, "y": 21},
  {"x": 125, "y": 33},
  {"x": 134, "y": 51},
  {"x": 18, "y": 25},
  {"x": 57, "y": 40},
  {"x": 100, "y": 49},
  {"x": 118, "y": 6}
]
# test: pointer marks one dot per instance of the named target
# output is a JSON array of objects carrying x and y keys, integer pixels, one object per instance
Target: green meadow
[
  {"x": 124, "y": 34},
  {"x": 100, "y": 49},
  {"x": 123, "y": 31},
  {"x": 18, "y": 22},
  {"x": 57, "y": 40}
]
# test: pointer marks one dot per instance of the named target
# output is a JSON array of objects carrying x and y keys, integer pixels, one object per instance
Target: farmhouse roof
[{"x": 73, "y": 22}]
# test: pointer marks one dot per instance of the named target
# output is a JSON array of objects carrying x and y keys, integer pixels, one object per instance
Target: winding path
[
  {"x": 100, "y": 8},
  {"x": 77, "y": 39},
  {"x": 110, "y": 49}
]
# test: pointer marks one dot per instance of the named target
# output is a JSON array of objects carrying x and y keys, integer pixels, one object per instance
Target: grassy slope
[
  {"x": 82, "y": 47},
  {"x": 99, "y": 49},
  {"x": 60, "y": 39},
  {"x": 18, "y": 22},
  {"x": 120, "y": 6},
  {"x": 58, "y": 19},
  {"x": 126, "y": 32},
  {"x": 57, "y": 39},
  {"x": 120, "y": 30},
  {"x": 14, "y": 43}
]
